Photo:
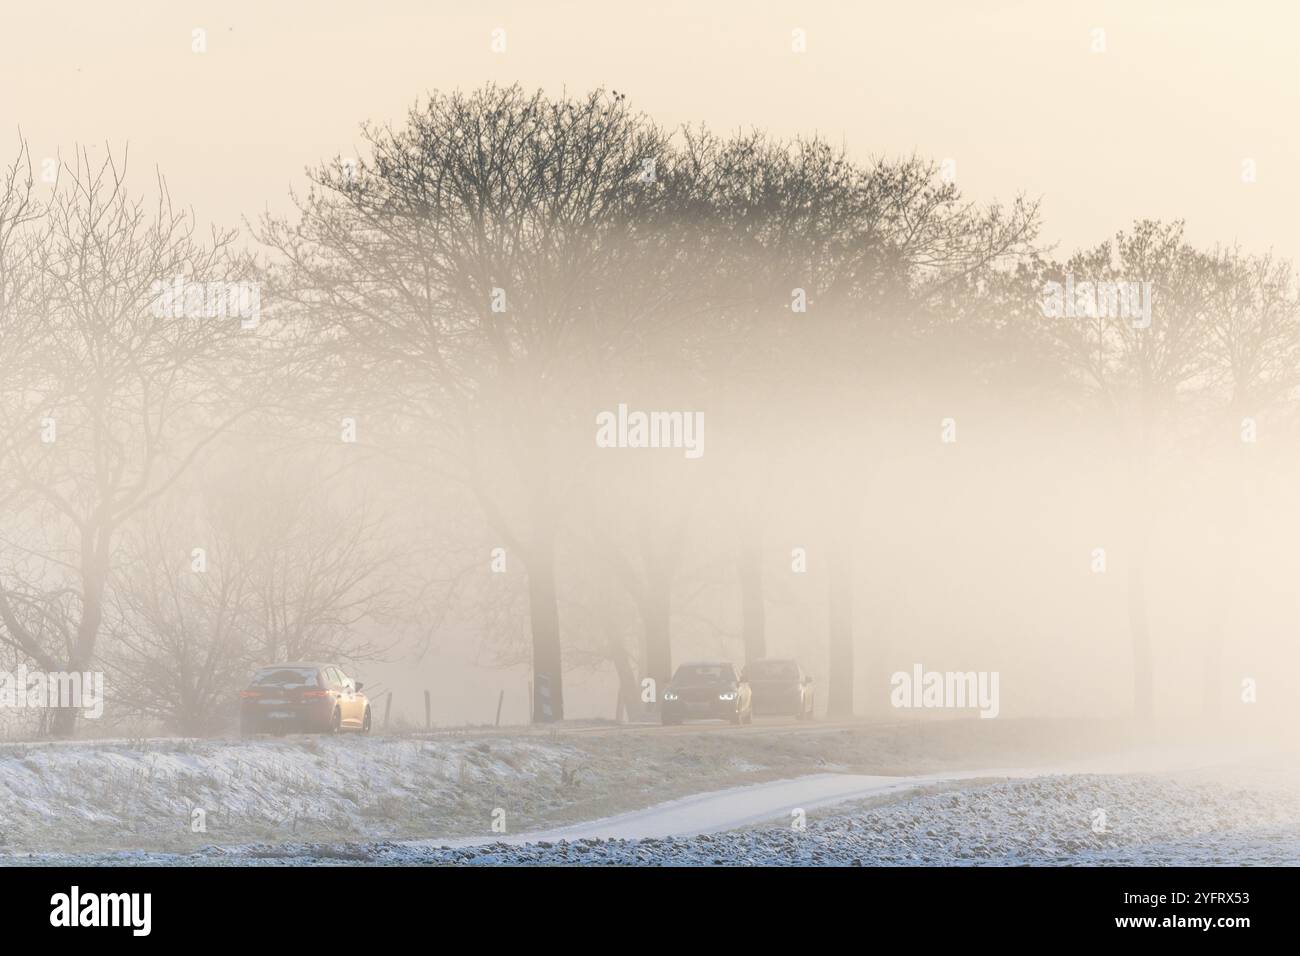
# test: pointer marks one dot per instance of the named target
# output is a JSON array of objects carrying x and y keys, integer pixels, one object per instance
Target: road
[
  {"x": 736, "y": 807},
  {"x": 717, "y": 810}
]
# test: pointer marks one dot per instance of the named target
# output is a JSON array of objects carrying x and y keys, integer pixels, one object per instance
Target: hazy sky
[{"x": 1158, "y": 125}]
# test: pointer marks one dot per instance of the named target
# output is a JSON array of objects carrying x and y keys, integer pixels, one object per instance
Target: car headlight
[
  {"x": 669, "y": 695},
  {"x": 727, "y": 695}
]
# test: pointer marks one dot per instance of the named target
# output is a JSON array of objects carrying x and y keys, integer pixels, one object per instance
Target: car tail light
[
  {"x": 315, "y": 693},
  {"x": 250, "y": 693}
]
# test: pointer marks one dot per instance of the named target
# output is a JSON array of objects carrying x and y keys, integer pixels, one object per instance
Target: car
[
  {"x": 303, "y": 697},
  {"x": 780, "y": 686},
  {"x": 706, "y": 689}
]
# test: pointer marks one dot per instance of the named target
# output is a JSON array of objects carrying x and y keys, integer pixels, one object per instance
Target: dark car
[
  {"x": 706, "y": 689},
  {"x": 304, "y": 698},
  {"x": 780, "y": 686}
]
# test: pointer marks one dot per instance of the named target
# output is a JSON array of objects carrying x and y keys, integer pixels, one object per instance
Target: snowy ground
[
  {"x": 1051, "y": 820},
  {"x": 873, "y": 795},
  {"x": 142, "y": 794}
]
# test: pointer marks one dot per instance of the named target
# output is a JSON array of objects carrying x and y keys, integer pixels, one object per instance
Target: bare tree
[
  {"x": 182, "y": 624},
  {"x": 112, "y": 396},
  {"x": 272, "y": 568},
  {"x": 834, "y": 281},
  {"x": 1253, "y": 344},
  {"x": 466, "y": 260},
  {"x": 1147, "y": 371},
  {"x": 18, "y": 211}
]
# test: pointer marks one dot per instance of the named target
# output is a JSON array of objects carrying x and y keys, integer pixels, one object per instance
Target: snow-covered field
[
  {"x": 143, "y": 794},
  {"x": 1052, "y": 820},
  {"x": 871, "y": 795}
]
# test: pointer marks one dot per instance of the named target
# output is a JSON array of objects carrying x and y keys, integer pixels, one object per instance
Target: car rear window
[
  {"x": 286, "y": 677},
  {"x": 774, "y": 670},
  {"x": 703, "y": 674}
]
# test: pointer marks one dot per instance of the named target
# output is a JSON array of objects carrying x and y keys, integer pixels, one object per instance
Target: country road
[
  {"x": 728, "y": 809},
  {"x": 735, "y": 807}
]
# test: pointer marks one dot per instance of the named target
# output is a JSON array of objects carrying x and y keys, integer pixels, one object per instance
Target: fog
[{"x": 545, "y": 378}]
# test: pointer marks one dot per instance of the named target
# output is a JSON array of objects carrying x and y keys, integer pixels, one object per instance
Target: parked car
[
  {"x": 706, "y": 689},
  {"x": 779, "y": 686},
  {"x": 303, "y": 697}
]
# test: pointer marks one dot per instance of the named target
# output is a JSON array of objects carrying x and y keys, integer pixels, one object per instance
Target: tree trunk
[
  {"x": 840, "y": 606},
  {"x": 94, "y": 574},
  {"x": 544, "y": 615},
  {"x": 1143, "y": 686},
  {"x": 629, "y": 692},
  {"x": 63, "y": 723},
  {"x": 656, "y": 615},
  {"x": 752, "y": 611},
  {"x": 1140, "y": 520},
  {"x": 1228, "y": 547}
]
